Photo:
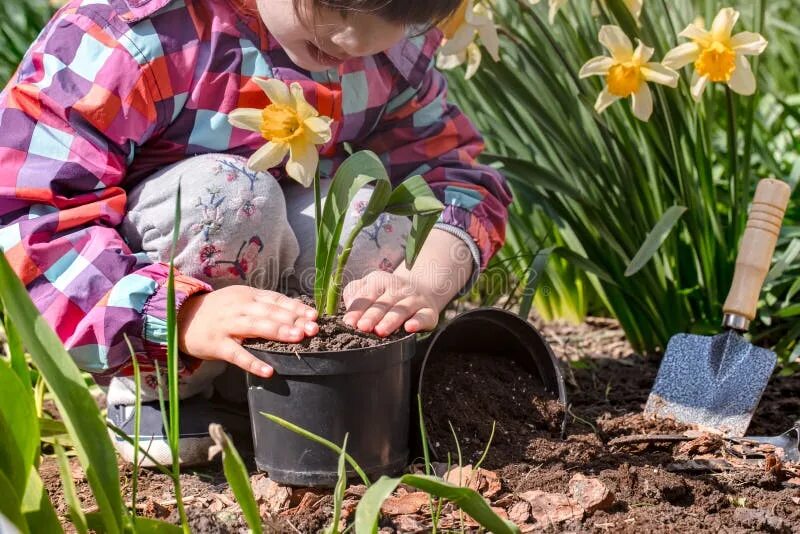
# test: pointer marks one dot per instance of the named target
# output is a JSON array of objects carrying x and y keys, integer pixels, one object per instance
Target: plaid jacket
[{"x": 113, "y": 90}]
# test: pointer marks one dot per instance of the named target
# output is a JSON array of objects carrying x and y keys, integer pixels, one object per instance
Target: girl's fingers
[
  {"x": 247, "y": 327},
  {"x": 362, "y": 297},
  {"x": 278, "y": 314},
  {"x": 394, "y": 318},
  {"x": 376, "y": 312},
  {"x": 235, "y": 354},
  {"x": 288, "y": 303},
  {"x": 423, "y": 320}
]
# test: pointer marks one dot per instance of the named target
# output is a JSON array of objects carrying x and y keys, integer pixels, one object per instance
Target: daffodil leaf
[
  {"x": 654, "y": 239},
  {"x": 357, "y": 171},
  {"x": 413, "y": 197}
]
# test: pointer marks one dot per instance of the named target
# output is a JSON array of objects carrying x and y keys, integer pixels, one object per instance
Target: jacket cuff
[
  {"x": 154, "y": 313},
  {"x": 473, "y": 249}
]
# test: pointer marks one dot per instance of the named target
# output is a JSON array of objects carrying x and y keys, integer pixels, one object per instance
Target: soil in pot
[
  {"x": 334, "y": 335},
  {"x": 473, "y": 390}
]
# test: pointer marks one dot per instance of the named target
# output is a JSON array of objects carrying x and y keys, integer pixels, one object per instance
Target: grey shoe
[{"x": 196, "y": 414}]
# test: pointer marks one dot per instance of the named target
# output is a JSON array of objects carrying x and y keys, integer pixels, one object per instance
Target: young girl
[{"x": 118, "y": 100}]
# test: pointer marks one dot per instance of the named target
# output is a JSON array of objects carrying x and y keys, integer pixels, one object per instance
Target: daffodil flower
[
  {"x": 459, "y": 32},
  {"x": 627, "y": 72},
  {"x": 718, "y": 56},
  {"x": 290, "y": 125}
]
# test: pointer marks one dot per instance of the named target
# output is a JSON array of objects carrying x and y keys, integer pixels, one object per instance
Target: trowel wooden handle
[{"x": 756, "y": 248}]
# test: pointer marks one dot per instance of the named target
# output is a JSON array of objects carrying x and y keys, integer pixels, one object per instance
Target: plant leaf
[
  {"x": 421, "y": 226},
  {"x": 68, "y": 487},
  {"x": 75, "y": 404},
  {"x": 19, "y": 433},
  {"x": 535, "y": 274},
  {"x": 338, "y": 491},
  {"x": 237, "y": 477},
  {"x": 144, "y": 525},
  {"x": 413, "y": 196},
  {"x": 468, "y": 500},
  {"x": 654, "y": 238},
  {"x": 37, "y": 507},
  {"x": 10, "y": 504}
]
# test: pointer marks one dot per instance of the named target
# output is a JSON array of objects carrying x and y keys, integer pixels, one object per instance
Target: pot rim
[{"x": 329, "y": 353}]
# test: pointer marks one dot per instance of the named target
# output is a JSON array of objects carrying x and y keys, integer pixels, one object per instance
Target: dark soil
[
  {"x": 655, "y": 486},
  {"x": 333, "y": 335}
]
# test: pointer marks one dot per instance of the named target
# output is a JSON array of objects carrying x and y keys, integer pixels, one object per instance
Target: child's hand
[
  {"x": 382, "y": 302},
  {"x": 212, "y": 326}
]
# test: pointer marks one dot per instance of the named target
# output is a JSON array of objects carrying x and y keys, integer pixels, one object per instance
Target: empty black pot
[
  {"x": 361, "y": 392},
  {"x": 496, "y": 332}
]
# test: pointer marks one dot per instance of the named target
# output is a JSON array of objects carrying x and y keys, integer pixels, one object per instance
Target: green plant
[
  {"x": 615, "y": 186},
  {"x": 412, "y": 198}
]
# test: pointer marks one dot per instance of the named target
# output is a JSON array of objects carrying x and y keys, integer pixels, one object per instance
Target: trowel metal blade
[{"x": 711, "y": 381}]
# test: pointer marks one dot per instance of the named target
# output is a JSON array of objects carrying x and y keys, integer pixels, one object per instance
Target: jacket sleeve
[
  {"x": 70, "y": 122},
  {"x": 422, "y": 133}
]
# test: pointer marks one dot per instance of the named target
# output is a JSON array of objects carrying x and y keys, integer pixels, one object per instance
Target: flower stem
[
  {"x": 732, "y": 155},
  {"x": 318, "y": 289},
  {"x": 335, "y": 288}
]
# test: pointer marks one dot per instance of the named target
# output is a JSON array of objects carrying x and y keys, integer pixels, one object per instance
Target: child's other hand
[
  {"x": 382, "y": 302},
  {"x": 212, "y": 326}
]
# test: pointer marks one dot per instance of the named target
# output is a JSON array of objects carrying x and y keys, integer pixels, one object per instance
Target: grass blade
[
  {"x": 236, "y": 475},
  {"x": 655, "y": 238},
  {"x": 318, "y": 439},
  {"x": 68, "y": 487},
  {"x": 338, "y": 491}
]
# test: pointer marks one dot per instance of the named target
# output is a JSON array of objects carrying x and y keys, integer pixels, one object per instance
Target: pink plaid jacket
[{"x": 113, "y": 90}]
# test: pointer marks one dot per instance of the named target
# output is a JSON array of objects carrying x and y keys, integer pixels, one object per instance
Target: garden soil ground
[{"x": 530, "y": 473}]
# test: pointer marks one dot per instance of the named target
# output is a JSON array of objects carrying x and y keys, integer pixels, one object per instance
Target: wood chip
[
  {"x": 703, "y": 444},
  {"x": 409, "y": 523},
  {"x": 410, "y": 503},
  {"x": 274, "y": 497},
  {"x": 485, "y": 482},
  {"x": 590, "y": 493},
  {"x": 520, "y": 512},
  {"x": 550, "y": 509}
]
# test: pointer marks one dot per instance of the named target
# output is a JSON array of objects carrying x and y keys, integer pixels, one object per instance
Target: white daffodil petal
[
  {"x": 604, "y": 99},
  {"x": 268, "y": 156},
  {"x": 643, "y": 53},
  {"x": 276, "y": 90},
  {"x": 681, "y": 55},
  {"x": 723, "y": 24},
  {"x": 490, "y": 40},
  {"x": 748, "y": 43},
  {"x": 696, "y": 33},
  {"x": 743, "y": 81},
  {"x": 615, "y": 40},
  {"x": 597, "y": 66},
  {"x": 478, "y": 16},
  {"x": 473, "y": 60},
  {"x": 658, "y": 73},
  {"x": 642, "y": 103},
  {"x": 246, "y": 119},
  {"x": 450, "y": 61},
  {"x": 462, "y": 38},
  {"x": 303, "y": 160},
  {"x": 319, "y": 129},
  {"x": 699, "y": 84}
]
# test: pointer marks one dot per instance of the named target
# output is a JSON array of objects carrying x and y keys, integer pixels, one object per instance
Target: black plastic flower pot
[
  {"x": 363, "y": 393},
  {"x": 495, "y": 332}
]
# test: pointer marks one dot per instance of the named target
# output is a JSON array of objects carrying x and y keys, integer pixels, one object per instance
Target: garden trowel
[{"x": 716, "y": 381}]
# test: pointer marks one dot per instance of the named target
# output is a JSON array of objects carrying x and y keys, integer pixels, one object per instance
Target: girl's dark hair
[{"x": 422, "y": 14}]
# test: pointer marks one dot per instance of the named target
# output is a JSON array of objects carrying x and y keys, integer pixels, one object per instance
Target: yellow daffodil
[
  {"x": 718, "y": 56},
  {"x": 290, "y": 125},
  {"x": 460, "y": 30},
  {"x": 627, "y": 72},
  {"x": 634, "y": 6}
]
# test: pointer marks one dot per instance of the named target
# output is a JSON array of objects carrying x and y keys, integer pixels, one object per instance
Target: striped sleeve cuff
[{"x": 473, "y": 249}]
